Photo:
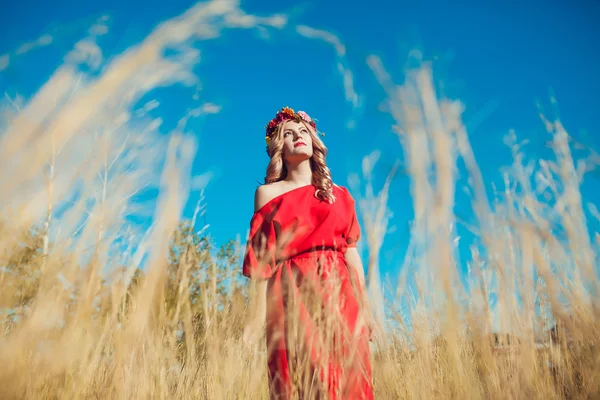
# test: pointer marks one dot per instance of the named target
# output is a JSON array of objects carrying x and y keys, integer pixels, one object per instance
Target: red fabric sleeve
[
  {"x": 353, "y": 231},
  {"x": 259, "y": 260}
]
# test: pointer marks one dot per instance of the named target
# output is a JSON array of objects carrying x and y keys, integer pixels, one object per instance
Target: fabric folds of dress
[{"x": 317, "y": 344}]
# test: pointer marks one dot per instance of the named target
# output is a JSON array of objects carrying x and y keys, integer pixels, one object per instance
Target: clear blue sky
[{"x": 498, "y": 59}]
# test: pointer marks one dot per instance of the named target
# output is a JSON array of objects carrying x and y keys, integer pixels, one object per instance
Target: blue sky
[{"x": 498, "y": 59}]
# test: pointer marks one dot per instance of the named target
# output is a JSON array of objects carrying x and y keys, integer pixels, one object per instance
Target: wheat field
[{"x": 95, "y": 306}]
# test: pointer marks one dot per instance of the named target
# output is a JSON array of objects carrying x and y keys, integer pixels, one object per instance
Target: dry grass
[{"x": 81, "y": 321}]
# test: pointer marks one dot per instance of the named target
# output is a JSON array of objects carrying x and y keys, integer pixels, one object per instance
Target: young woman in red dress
[{"x": 302, "y": 252}]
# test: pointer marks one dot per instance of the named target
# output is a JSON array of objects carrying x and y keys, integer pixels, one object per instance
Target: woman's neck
[{"x": 299, "y": 174}]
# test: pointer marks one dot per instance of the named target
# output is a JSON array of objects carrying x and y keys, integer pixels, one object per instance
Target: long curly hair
[{"x": 321, "y": 175}]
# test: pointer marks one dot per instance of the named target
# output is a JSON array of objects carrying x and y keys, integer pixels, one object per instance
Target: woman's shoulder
[
  {"x": 268, "y": 192},
  {"x": 342, "y": 191},
  {"x": 264, "y": 194},
  {"x": 343, "y": 194}
]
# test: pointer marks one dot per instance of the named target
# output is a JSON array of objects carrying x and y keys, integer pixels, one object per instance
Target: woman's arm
[
  {"x": 259, "y": 312},
  {"x": 360, "y": 288},
  {"x": 355, "y": 263},
  {"x": 257, "y": 321}
]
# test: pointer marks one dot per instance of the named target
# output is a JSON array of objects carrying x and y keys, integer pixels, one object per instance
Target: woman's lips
[{"x": 300, "y": 144}]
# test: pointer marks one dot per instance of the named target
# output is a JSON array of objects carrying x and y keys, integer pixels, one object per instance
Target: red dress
[{"x": 317, "y": 344}]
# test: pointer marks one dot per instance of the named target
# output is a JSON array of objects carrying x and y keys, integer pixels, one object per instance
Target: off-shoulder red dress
[{"x": 317, "y": 344}]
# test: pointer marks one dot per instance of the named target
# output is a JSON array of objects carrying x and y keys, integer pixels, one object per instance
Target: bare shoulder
[{"x": 264, "y": 194}]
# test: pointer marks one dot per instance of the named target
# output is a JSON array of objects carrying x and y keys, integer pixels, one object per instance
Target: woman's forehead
[{"x": 289, "y": 125}]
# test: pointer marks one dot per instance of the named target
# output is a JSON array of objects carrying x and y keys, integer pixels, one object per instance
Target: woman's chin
[{"x": 299, "y": 154}]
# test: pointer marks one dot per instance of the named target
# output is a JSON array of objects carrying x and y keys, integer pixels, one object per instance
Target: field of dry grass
[{"x": 81, "y": 319}]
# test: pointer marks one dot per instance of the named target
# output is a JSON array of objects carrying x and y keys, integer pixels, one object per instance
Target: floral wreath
[{"x": 287, "y": 114}]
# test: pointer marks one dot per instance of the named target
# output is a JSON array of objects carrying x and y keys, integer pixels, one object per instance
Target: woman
[{"x": 310, "y": 280}]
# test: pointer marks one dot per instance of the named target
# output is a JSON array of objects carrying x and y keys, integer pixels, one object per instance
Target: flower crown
[{"x": 287, "y": 114}]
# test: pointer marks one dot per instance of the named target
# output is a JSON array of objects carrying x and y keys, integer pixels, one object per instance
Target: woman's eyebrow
[{"x": 286, "y": 130}]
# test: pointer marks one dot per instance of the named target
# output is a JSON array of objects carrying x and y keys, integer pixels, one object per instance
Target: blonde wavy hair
[{"x": 321, "y": 175}]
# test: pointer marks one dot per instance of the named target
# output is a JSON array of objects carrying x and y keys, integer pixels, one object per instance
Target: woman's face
[{"x": 297, "y": 142}]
